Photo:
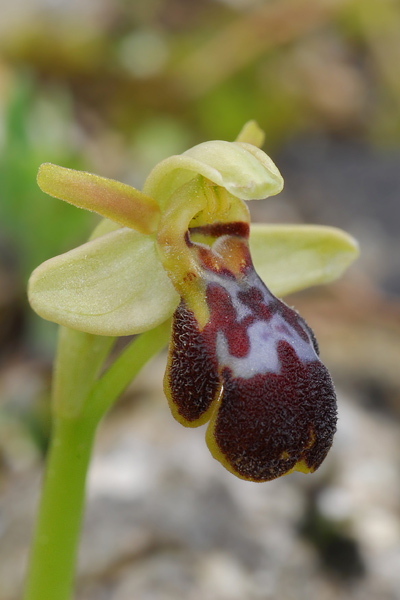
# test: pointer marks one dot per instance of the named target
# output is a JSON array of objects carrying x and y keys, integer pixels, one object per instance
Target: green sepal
[
  {"x": 242, "y": 169},
  {"x": 112, "y": 285},
  {"x": 289, "y": 258}
]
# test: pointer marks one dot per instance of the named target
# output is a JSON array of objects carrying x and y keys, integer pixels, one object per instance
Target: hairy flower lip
[{"x": 246, "y": 362}]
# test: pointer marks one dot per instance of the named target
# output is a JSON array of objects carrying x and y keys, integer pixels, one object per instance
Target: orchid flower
[{"x": 239, "y": 358}]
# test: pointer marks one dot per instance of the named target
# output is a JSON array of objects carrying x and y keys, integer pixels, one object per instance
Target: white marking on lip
[
  {"x": 262, "y": 357},
  {"x": 232, "y": 288},
  {"x": 263, "y": 335}
]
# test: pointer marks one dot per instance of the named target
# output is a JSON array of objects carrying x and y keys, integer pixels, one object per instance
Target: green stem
[
  {"x": 79, "y": 403},
  {"x": 125, "y": 368},
  {"x": 79, "y": 359},
  {"x": 60, "y": 513}
]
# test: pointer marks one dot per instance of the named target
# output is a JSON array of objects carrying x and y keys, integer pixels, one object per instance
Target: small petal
[
  {"x": 242, "y": 169},
  {"x": 293, "y": 257},
  {"x": 109, "y": 198},
  {"x": 113, "y": 285}
]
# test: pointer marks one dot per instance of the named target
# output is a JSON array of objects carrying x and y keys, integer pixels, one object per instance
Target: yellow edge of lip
[{"x": 300, "y": 466}]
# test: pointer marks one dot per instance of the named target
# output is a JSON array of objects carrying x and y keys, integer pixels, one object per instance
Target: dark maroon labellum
[{"x": 254, "y": 370}]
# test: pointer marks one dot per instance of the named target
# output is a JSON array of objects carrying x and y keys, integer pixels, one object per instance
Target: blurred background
[{"x": 112, "y": 87}]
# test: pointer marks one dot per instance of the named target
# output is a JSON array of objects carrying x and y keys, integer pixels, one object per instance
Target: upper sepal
[{"x": 241, "y": 168}]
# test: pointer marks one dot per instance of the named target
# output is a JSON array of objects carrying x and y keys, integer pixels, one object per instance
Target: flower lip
[{"x": 252, "y": 370}]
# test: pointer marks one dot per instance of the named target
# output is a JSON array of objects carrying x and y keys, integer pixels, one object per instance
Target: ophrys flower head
[{"x": 238, "y": 357}]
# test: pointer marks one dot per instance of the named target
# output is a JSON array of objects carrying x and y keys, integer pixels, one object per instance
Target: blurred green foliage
[{"x": 35, "y": 226}]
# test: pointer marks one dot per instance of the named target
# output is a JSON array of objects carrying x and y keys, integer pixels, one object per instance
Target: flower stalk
[
  {"x": 80, "y": 401},
  {"x": 53, "y": 553}
]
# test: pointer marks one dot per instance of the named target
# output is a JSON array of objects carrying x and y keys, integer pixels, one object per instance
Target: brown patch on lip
[
  {"x": 267, "y": 424},
  {"x": 190, "y": 276},
  {"x": 237, "y": 228},
  {"x": 188, "y": 241},
  {"x": 191, "y": 379}
]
